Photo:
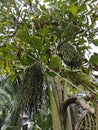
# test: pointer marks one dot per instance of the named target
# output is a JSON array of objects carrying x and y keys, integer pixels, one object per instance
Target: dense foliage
[{"x": 40, "y": 40}]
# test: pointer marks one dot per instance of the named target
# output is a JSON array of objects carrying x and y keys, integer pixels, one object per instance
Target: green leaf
[
  {"x": 83, "y": 7},
  {"x": 97, "y": 96},
  {"x": 2, "y": 63},
  {"x": 6, "y": 53},
  {"x": 94, "y": 59},
  {"x": 29, "y": 1},
  {"x": 7, "y": 68},
  {"x": 86, "y": 70},
  {"x": 72, "y": 1},
  {"x": 55, "y": 62},
  {"x": 44, "y": 58},
  {"x": 37, "y": 43},
  {"x": 44, "y": 32},
  {"x": 47, "y": 43},
  {"x": 95, "y": 42},
  {"x": 81, "y": 41},
  {"x": 23, "y": 35},
  {"x": 30, "y": 57},
  {"x": 74, "y": 9}
]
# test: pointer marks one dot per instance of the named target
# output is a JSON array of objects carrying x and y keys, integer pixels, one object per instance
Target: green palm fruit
[
  {"x": 32, "y": 89},
  {"x": 70, "y": 55}
]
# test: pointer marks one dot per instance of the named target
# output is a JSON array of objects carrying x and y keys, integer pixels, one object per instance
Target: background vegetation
[{"x": 46, "y": 64}]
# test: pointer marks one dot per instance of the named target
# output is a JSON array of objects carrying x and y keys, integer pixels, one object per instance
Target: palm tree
[{"x": 8, "y": 101}]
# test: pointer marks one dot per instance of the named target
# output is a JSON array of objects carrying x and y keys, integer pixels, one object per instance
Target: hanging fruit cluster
[
  {"x": 32, "y": 89},
  {"x": 88, "y": 122},
  {"x": 70, "y": 55}
]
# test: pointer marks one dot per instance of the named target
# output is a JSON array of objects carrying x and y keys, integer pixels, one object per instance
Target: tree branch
[{"x": 79, "y": 101}]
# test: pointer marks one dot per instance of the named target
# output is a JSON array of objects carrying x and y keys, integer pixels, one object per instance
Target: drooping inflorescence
[
  {"x": 70, "y": 55},
  {"x": 32, "y": 89}
]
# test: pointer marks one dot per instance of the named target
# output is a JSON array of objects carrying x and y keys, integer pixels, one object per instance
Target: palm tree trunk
[
  {"x": 97, "y": 115},
  {"x": 68, "y": 118},
  {"x": 19, "y": 121},
  {"x": 59, "y": 92}
]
